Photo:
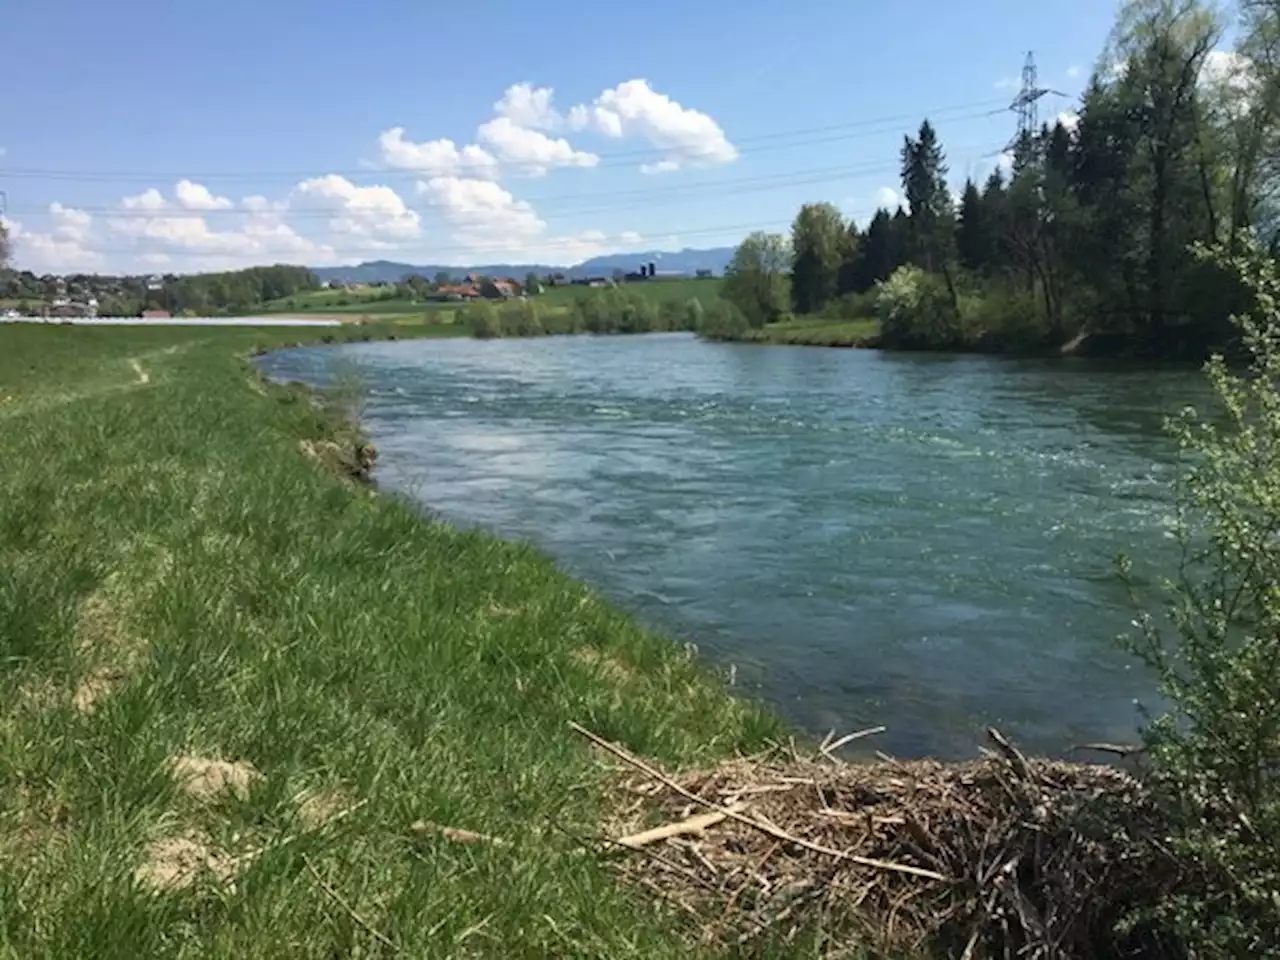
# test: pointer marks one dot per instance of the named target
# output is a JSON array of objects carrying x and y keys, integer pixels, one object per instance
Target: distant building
[
  {"x": 63, "y": 307},
  {"x": 457, "y": 291},
  {"x": 500, "y": 289},
  {"x": 156, "y": 315}
]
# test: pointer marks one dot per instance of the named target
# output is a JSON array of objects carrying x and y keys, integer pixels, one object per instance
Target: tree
[
  {"x": 1163, "y": 45},
  {"x": 924, "y": 181},
  {"x": 974, "y": 238},
  {"x": 6, "y": 246},
  {"x": 443, "y": 278},
  {"x": 877, "y": 253},
  {"x": 755, "y": 280},
  {"x": 532, "y": 285},
  {"x": 819, "y": 240},
  {"x": 418, "y": 286}
]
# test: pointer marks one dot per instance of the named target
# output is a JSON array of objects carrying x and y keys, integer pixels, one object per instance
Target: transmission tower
[{"x": 1025, "y": 103}]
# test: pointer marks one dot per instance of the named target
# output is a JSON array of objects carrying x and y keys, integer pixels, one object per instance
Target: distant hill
[{"x": 682, "y": 261}]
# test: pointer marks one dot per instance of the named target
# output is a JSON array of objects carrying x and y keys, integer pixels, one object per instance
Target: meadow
[
  {"x": 373, "y": 302},
  {"x": 244, "y": 690}
]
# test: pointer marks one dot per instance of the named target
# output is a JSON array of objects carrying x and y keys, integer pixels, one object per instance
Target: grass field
[
  {"x": 655, "y": 290},
  {"x": 361, "y": 302},
  {"x": 234, "y": 679}
]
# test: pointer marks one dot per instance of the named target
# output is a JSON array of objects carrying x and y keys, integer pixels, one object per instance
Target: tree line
[{"x": 1090, "y": 227}]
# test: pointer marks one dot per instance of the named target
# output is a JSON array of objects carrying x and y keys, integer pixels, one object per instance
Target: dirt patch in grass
[
  {"x": 104, "y": 641},
  {"x": 175, "y": 863},
  {"x": 206, "y": 779}
]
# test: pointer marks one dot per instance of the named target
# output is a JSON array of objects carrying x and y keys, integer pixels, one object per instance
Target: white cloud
[
  {"x": 1074, "y": 72},
  {"x": 435, "y": 158},
  {"x": 376, "y": 213},
  {"x": 196, "y": 196},
  {"x": 1226, "y": 68},
  {"x": 533, "y": 152},
  {"x": 528, "y": 106},
  {"x": 890, "y": 199},
  {"x": 64, "y": 249},
  {"x": 1069, "y": 119},
  {"x": 151, "y": 199},
  {"x": 483, "y": 213},
  {"x": 687, "y": 137},
  {"x": 1004, "y": 162}
]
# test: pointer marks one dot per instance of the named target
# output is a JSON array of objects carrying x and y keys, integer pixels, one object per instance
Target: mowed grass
[{"x": 182, "y": 585}]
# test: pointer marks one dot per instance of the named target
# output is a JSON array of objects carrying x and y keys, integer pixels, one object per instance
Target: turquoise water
[{"x": 924, "y": 542}]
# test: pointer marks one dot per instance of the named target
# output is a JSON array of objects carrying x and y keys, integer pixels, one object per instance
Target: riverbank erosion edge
[{"x": 257, "y": 709}]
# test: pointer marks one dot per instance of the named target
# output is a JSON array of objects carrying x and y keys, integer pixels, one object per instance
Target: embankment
[{"x": 236, "y": 681}]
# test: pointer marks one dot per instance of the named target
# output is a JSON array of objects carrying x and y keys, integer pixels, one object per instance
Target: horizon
[{"x": 643, "y": 140}]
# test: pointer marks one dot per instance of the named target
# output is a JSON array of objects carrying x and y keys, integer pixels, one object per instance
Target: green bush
[
  {"x": 483, "y": 319},
  {"x": 520, "y": 318},
  {"x": 851, "y": 306},
  {"x": 1005, "y": 319},
  {"x": 916, "y": 313},
  {"x": 1215, "y": 755},
  {"x": 723, "y": 320}
]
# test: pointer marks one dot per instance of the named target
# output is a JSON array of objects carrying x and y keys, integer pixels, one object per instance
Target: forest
[{"x": 1089, "y": 232}]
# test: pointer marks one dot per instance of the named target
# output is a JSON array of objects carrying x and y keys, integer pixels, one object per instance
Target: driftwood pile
[{"x": 1003, "y": 856}]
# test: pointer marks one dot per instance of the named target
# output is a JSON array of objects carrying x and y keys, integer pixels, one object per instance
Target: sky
[{"x": 159, "y": 136}]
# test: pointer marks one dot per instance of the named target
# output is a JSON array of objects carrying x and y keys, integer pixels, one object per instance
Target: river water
[{"x": 925, "y": 542}]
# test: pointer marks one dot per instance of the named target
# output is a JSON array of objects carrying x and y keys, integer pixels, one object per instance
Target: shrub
[
  {"x": 916, "y": 312},
  {"x": 483, "y": 319},
  {"x": 520, "y": 318},
  {"x": 851, "y": 306},
  {"x": 694, "y": 314},
  {"x": 723, "y": 320},
  {"x": 1215, "y": 755}
]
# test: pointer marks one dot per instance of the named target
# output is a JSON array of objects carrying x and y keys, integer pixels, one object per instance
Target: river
[{"x": 925, "y": 542}]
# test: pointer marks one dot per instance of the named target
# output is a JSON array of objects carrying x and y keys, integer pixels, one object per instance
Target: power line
[
  {"x": 759, "y": 143},
  {"x": 629, "y": 199}
]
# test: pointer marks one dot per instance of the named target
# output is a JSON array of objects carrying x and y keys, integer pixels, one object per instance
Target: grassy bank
[
  {"x": 812, "y": 332},
  {"x": 215, "y": 652}
]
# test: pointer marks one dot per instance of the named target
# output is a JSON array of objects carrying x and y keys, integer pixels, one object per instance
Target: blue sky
[{"x": 182, "y": 136}]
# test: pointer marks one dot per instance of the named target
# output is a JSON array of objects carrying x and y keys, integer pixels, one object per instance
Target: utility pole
[{"x": 1025, "y": 103}]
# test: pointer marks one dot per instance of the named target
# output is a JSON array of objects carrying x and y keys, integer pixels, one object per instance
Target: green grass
[
  {"x": 816, "y": 332},
  {"x": 170, "y": 551},
  {"x": 362, "y": 302},
  {"x": 656, "y": 290}
]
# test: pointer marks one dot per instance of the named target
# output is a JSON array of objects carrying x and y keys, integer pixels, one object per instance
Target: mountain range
[{"x": 687, "y": 261}]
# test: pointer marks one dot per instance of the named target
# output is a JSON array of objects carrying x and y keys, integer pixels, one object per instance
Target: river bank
[{"x": 238, "y": 680}]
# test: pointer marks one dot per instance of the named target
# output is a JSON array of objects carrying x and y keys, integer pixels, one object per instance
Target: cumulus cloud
[
  {"x": 528, "y": 106},
  {"x": 436, "y": 158},
  {"x": 196, "y": 196},
  {"x": 151, "y": 199},
  {"x": 64, "y": 248},
  {"x": 482, "y": 212},
  {"x": 376, "y": 213},
  {"x": 890, "y": 199},
  {"x": 1070, "y": 119},
  {"x": 685, "y": 136},
  {"x": 533, "y": 152}
]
